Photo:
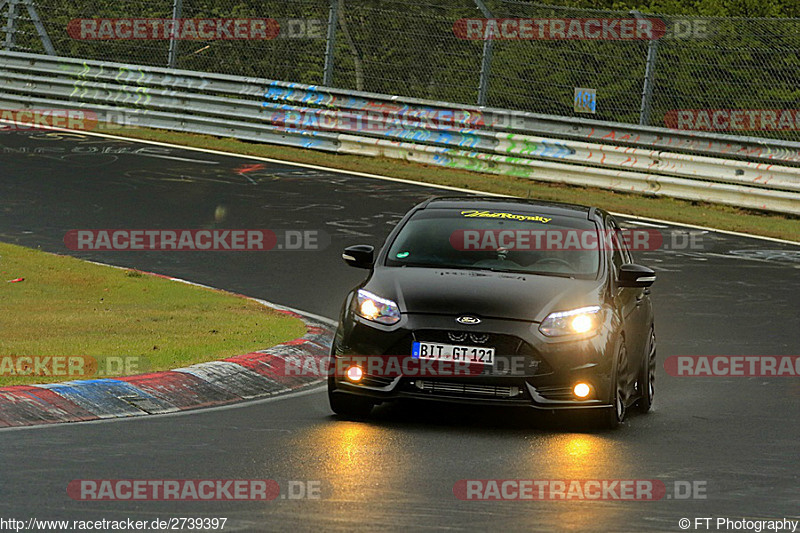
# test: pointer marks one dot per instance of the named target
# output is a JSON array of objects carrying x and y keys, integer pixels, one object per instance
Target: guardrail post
[
  {"x": 177, "y": 11},
  {"x": 333, "y": 20},
  {"x": 486, "y": 59},
  {"x": 649, "y": 78}
]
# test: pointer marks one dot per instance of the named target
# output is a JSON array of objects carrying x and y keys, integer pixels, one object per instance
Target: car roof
[{"x": 516, "y": 204}]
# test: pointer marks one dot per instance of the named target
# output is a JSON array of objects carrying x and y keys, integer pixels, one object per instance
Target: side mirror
[
  {"x": 359, "y": 256},
  {"x": 636, "y": 276}
]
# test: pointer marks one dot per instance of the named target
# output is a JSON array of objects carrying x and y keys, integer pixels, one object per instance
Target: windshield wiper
[
  {"x": 556, "y": 274},
  {"x": 489, "y": 269}
]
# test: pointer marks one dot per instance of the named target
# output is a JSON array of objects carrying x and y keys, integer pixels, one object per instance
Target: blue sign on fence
[{"x": 585, "y": 100}]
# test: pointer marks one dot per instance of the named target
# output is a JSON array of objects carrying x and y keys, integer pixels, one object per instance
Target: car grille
[
  {"x": 449, "y": 388},
  {"x": 503, "y": 344},
  {"x": 463, "y": 336}
]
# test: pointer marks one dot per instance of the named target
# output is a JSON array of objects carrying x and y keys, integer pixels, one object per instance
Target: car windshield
[{"x": 498, "y": 240}]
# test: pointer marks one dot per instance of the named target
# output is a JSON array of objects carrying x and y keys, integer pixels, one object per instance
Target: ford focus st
[{"x": 498, "y": 301}]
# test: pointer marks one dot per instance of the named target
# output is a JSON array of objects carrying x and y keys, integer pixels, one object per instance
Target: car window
[
  {"x": 627, "y": 256},
  {"x": 498, "y": 240},
  {"x": 620, "y": 255}
]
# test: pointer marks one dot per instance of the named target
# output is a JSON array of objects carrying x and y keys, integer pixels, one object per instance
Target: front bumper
[{"x": 530, "y": 369}]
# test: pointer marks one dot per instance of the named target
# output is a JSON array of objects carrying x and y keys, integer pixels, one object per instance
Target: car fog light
[
  {"x": 354, "y": 373},
  {"x": 582, "y": 390}
]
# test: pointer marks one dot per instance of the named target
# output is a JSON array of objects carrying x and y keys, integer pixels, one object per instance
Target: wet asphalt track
[{"x": 738, "y": 296}]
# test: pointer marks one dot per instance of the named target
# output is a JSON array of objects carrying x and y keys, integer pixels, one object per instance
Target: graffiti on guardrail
[
  {"x": 692, "y": 166},
  {"x": 123, "y": 75}
]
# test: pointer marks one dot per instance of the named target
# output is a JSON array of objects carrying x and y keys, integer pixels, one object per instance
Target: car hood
[{"x": 482, "y": 293}]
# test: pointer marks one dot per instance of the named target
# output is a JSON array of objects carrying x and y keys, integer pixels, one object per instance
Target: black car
[{"x": 538, "y": 304}]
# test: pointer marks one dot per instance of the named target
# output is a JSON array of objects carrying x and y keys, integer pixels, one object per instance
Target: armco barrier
[{"x": 746, "y": 172}]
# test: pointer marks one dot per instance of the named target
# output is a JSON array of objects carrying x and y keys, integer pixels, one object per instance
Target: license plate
[{"x": 450, "y": 352}]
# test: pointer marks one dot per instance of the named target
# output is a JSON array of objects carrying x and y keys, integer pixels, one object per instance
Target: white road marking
[
  {"x": 640, "y": 223},
  {"x": 205, "y": 161}
]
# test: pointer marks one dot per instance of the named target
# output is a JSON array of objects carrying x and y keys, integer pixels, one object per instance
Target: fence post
[
  {"x": 333, "y": 20},
  {"x": 40, "y": 29},
  {"x": 649, "y": 78},
  {"x": 486, "y": 59},
  {"x": 177, "y": 12},
  {"x": 11, "y": 25},
  {"x": 486, "y": 65}
]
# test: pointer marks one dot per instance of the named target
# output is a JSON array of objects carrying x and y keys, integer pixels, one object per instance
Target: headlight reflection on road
[
  {"x": 578, "y": 455},
  {"x": 579, "y": 447},
  {"x": 361, "y": 460},
  {"x": 353, "y": 446}
]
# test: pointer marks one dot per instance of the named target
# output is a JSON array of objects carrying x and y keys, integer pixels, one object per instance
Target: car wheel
[
  {"x": 647, "y": 375},
  {"x": 348, "y": 406},
  {"x": 613, "y": 416}
]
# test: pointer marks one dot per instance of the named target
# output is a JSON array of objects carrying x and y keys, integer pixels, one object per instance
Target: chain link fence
[{"x": 732, "y": 75}]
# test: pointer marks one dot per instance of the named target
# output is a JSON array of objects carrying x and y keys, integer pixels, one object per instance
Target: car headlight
[
  {"x": 581, "y": 321},
  {"x": 376, "y": 309}
]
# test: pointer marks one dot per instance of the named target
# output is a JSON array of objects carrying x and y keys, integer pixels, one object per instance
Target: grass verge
[
  {"x": 698, "y": 213},
  {"x": 119, "y": 321}
]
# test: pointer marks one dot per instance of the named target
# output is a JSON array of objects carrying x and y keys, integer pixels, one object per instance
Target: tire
[
  {"x": 612, "y": 417},
  {"x": 348, "y": 406},
  {"x": 647, "y": 375}
]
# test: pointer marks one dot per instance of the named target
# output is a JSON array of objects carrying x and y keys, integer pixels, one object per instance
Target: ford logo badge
[{"x": 468, "y": 320}]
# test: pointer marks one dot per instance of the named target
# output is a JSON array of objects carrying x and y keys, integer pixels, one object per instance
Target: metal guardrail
[{"x": 740, "y": 171}]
